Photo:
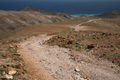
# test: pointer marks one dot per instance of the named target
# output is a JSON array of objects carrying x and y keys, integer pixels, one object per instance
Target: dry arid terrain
[
  {"x": 11, "y": 21},
  {"x": 64, "y": 64},
  {"x": 44, "y": 45}
]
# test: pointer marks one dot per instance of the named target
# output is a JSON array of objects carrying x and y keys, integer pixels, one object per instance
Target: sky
[{"x": 68, "y": 6}]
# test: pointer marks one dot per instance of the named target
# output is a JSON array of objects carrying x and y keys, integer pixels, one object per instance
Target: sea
[{"x": 74, "y": 7}]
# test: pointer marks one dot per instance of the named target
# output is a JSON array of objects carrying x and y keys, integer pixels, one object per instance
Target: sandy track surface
[
  {"x": 79, "y": 27},
  {"x": 45, "y": 62}
]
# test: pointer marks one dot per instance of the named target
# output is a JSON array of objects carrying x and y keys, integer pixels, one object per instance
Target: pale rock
[
  {"x": 12, "y": 72},
  {"x": 77, "y": 69},
  {"x": 8, "y": 76}
]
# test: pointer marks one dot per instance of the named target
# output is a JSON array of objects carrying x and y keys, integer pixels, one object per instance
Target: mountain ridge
[
  {"x": 14, "y": 20},
  {"x": 46, "y": 12}
]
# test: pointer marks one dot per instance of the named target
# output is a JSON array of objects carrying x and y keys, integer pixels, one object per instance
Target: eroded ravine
[{"x": 54, "y": 63}]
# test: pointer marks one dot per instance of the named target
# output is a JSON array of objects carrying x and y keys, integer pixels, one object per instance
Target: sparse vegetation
[
  {"x": 78, "y": 49},
  {"x": 18, "y": 59},
  {"x": 88, "y": 50},
  {"x": 105, "y": 25},
  {"x": 103, "y": 45},
  {"x": 100, "y": 44},
  {"x": 24, "y": 79},
  {"x": 24, "y": 70},
  {"x": 15, "y": 74},
  {"x": 10, "y": 49},
  {"x": 73, "y": 29},
  {"x": 10, "y": 59}
]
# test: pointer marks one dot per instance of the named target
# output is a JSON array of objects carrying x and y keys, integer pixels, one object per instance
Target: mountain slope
[
  {"x": 14, "y": 20},
  {"x": 37, "y": 10},
  {"x": 113, "y": 14},
  {"x": 46, "y": 12}
]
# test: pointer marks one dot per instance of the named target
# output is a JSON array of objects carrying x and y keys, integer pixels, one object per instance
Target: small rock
[
  {"x": 90, "y": 46},
  {"x": 77, "y": 69},
  {"x": 12, "y": 72},
  {"x": 8, "y": 76}
]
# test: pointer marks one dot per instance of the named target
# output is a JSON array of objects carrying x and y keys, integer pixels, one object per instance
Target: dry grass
[
  {"x": 43, "y": 28},
  {"x": 113, "y": 21},
  {"x": 74, "y": 21},
  {"x": 105, "y": 25}
]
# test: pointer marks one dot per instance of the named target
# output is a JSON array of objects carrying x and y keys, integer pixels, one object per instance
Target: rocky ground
[
  {"x": 61, "y": 53},
  {"x": 11, "y": 64},
  {"x": 59, "y": 63},
  {"x": 102, "y": 45}
]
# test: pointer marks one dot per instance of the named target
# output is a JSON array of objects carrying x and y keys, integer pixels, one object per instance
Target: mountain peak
[
  {"x": 28, "y": 8},
  {"x": 46, "y": 12}
]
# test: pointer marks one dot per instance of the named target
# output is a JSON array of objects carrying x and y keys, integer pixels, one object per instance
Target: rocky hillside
[
  {"x": 100, "y": 44},
  {"x": 46, "y": 12},
  {"x": 13, "y": 20},
  {"x": 113, "y": 14}
]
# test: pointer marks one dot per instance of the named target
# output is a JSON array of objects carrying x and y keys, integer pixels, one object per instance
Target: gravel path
[
  {"x": 54, "y": 63},
  {"x": 79, "y": 27}
]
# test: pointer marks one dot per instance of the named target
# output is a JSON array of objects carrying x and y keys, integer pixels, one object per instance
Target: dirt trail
[
  {"x": 53, "y": 63},
  {"x": 79, "y": 27}
]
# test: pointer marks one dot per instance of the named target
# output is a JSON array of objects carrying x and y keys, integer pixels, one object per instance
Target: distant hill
[
  {"x": 46, "y": 12},
  {"x": 37, "y": 10},
  {"x": 113, "y": 14},
  {"x": 14, "y": 20}
]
